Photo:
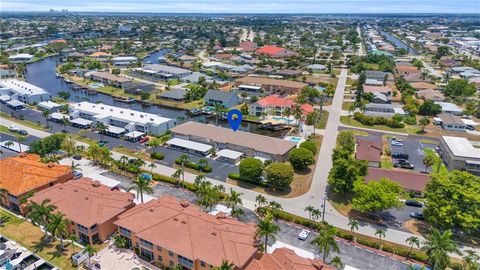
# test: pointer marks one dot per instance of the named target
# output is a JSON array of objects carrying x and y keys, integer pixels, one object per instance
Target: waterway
[
  {"x": 43, "y": 74},
  {"x": 399, "y": 44}
]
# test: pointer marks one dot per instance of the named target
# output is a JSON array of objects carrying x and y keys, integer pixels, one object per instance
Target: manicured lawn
[
  {"x": 132, "y": 153},
  {"x": 30, "y": 236},
  {"x": 354, "y": 123},
  {"x": 23, "y": 122},
  {"x": 5, "y": 130},
  {"x": 346, "y": 105},
  {"x": 322, "y": 121},
  {"x": 435, "y": 168},
  {"x": 386, "y": 162}
]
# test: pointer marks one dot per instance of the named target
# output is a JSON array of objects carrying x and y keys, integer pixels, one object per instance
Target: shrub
[
  {"x": 301, "y": 158},
  {"x": 309, "y": 145},
  {"x": 194, "y": 166},
  {"x": 157, "y": 155},
  {"x": 251, "y": 169},
  {"x": 279, "y": 175},
  {"x": 234, "y": 176},
  {"x": 373, "y": 120},
  {"x": 207, "y": 169}
]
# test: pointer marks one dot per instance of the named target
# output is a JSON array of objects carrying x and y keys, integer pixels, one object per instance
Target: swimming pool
[{"x": 293, "y": 139}]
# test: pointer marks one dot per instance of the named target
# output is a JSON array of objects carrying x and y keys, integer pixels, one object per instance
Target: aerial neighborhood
[{"x": 239, "y": 142}]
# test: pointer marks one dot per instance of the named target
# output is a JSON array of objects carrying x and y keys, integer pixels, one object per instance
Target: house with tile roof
[
  {"x": 271, "y": 86},
  {"x": 89, "y": 206},
  {"x": 23, "y": 174},
  {"x": 414, "y": 182},
  {"x": 369, "y": 150},
  {"x": 286, "y": 259},
  {"x": 169, "y": 232},
  {"x": 271, "y": 105},
  {"x": 275, "y": 52}
]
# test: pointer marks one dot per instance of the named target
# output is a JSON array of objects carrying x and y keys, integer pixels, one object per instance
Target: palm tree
[
  {"x": 57, "y": 227},
  {"x": 91, "y": 251},
  {"x": 297, "y": 113},
  {"x": 19, "y": 139},
  {"x": 316, "y": 213},
  {"x": 268, "y": 229},
  {"x": 287, "y": 112},
  {"x": 337, "y": 262},
  {"x": 73, "y": 238},
  {"x": 152, "y": 166},
  {"x": 325, "y": 241},
  {"x": 39, "y": 213},
  {"x": 428, "y": 161},
  {"x": 202, "y": 163},
  {"x": 8, "y": 144},
  {"x": 226, "y": 265},
  {"x": 260, "y": 200},
  {"x": 184, "y": 159},
  {"x": 176, "y": 175},
  {"x": 217, "y": 108},
  {"x": 438, "y": 246},
  {"x": 423, "y": 75},
  {"x": 274, "y": 206},
  {"x": 353, "y": 223},
  {"x": 470, "y": 260},
  {"x": 75, "y": 167},
  {"x": 26, "y": 196},
  {"x": 65, "y": 123},
  {"x": 412, "y": 240},
  {"x": 46, "y": 114},
  {"x": 232, "y": 200},
  {"x": 142, "y": 185},
  {"x": 381, "y": 234},
  {"x": 309, "y": 209},
  {"x": 68, "y": 145},
  {"x": 101, "y": 128}
]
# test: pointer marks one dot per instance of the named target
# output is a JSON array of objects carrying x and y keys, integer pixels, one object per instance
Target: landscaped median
[{"x": 350, "y": 121}]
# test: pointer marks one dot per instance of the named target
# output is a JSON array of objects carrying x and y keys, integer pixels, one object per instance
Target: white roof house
[
  {"x": 461, "y": 147},
  {"x": 21, "y": 57},
  {"x": 448, "y": 107},
  {"x": 127, "y": 119},
  {"x": 124, "y": 60},
  {"x": 23, "y": 91}
]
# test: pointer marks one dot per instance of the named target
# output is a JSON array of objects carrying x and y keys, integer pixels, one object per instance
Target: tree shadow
[
  {"x": 58, "y": 251},
  {"x": 41, "y": 245},
  {"x": 4, "y": 220}
]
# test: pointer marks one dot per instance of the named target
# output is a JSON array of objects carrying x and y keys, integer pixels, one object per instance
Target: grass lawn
[
  {"x": 133, "y": 153},
  {"x": 370, "y": 66},
  {"x": 23, "y": 122},
  {"x": 86, "y": 140},
  {"x": 322, "y": 121},
  {"x": 30, "y": 236},
  {"x": 346, "y": 105},
  {"x": 352, "y": 122},
  {"x": 386, "y": 162},
  {"x": 5, "y": 130},
  {"x": 438, "y": 166},
  {"x": 179, "y": 105}
]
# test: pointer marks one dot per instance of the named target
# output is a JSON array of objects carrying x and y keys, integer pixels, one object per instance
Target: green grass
[
  {"x": 4, "y": 129},
  {"x": 349, "y": 121},
  {"x": 23, "y": 122},
  {"x": 438, "y": 162},
  {"x": 386, "y": 162},
  {"x": 346, "y": 105},
  {"x": 322, "y": 121}
]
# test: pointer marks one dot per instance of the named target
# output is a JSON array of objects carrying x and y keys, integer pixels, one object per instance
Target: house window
[
  {"x": 125, "y": 232},
  {"x": 146, "y": 244},
  {"x": 147, "y": 254},
  {"x": 171, "y": 263},
  {"x": 160, "y": 258},
  {"x": 202, "y": 263},
  {"x": 170, "y": 253},
  {"x": 159, "y": 248}
]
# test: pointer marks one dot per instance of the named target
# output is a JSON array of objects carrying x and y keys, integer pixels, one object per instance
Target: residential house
[
  {"x": 272, "y": 86},
  {"x": 175, "y": 94},
  {"x": 110, "y": 79},
  {"x": 383, "y": 110},
  {"x": 275, "y": 52},
  {"x": 430, "y": 94},
  {"x": 23, "y": 92},
  {"x": 286, "y": 259},
  {"x": 247, "y": 46},
  {"x": 223, "y": 98},
  {"x": 317, "y": 67},
  {"x": 124, "y": 60},
  {"x": 452, "y": 122},
  {"x": 21, "y": 57},
  {"x": 271, "y": 105},
  {"x": 23, "y": 174},
  {"x": 169, "y": 232},
  {"x": 369, "y": 150},
  {"x": 405, "y": 68},
  {"x": 377, "y": 75},
  {"x": 89, "y": 206},
  {"x": 413, "y": 182},
  {"x": 450, "y": 108}
]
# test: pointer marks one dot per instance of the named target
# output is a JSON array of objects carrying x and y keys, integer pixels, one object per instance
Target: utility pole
[{"x": 324, "y": 205}]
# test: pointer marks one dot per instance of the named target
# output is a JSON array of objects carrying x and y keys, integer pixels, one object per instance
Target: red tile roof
[
  {"x": 25, "y": 172},
  {"x": 286, "y": 259},
  {"x": 275, "y": 100},
  {"x": 188, "y": 231},
  {"x": 408, "y": 180},
  {"x": 85, "y": 201},
  {"x": 270, "y": 50},
  {"x": 306, "y": 108}
]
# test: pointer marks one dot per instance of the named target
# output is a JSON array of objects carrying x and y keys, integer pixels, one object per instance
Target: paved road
[{"x": 361, "y": 48}]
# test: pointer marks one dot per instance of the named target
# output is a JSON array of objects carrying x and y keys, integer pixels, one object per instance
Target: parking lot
[{"x": 414, "y": 149}]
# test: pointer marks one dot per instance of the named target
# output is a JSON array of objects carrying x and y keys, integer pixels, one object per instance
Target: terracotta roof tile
[
  {"x": 190, "y": 232},
  {"x": 25, "y": 172},
  {"x": 408, "y": 180},
  {"x": 370, "y": 150},
  {"x": 286, "y": 259}
]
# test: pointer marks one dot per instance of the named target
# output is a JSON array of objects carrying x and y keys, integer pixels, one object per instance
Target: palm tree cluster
[
  {"x": 264, "y": 207},
  {"x": 208, "y": 195},
  {"x": 99, "y": 154},
  {"x": 141, "y": 185}
]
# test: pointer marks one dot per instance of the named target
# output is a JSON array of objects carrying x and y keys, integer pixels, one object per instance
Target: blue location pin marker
[{"x": 234, "y": 122}]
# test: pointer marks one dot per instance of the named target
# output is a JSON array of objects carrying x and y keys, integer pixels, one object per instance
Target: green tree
[
  {"x": 46, "y": 114},
  {"x": 73, "y": 238},
  {"x": 460, "y": 88},
  {"x": 346, "y": 139},
  {"x": 309, "y": 145},
  {"x": 337, "y": 262},
  {"x": 381, "y": 234},
  {"x": 57, "y": 227},
  {"x": 39, "y": 213},
  {"x": 232, "y": 201},
  {"x": 376, "y": 196},
  {"x": 260, "y": 200},
  {"x": 438, "y": 246},
  {"x": 268, "y": 229},
  {"x": 141, "y": 185},
  {"x": 345, "y": 171},
  {"x": 301, "y": 158},
  {"x": 423, "y": 123},
  {"x": 353, "y": 223},
  {"x": 453, "y": 201},
  {"x": 251, "y": 169},
  {"x": 101, "y": 128},
  {"x": 325, "y": 241},
  {"x": 412, "y": 241},
  {"x": 429, "y": 108},
  {"x": 91, "y": 251},
  {"x": 279, "y": 175},
  {"x": 226, "y": 265},
  {"x": 470, "y": 260},
  {"x": 428, "y": 161}
]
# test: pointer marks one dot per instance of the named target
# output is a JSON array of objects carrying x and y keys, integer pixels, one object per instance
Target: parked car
[
  {"x": 403, "y": 164},
  {"x": 144, "y": 139},
  {"x": 413, "y": 203},
  {"x": 396, "y": 140},
  {"x": 77, "y": 175},
  {"x": 400, "y": 155},
  {"x": 417, "y": 215},
  {"x": 303, "y": 234},
  {"x": 15, "y": 129},
  {"x": 395, "y": 143}
]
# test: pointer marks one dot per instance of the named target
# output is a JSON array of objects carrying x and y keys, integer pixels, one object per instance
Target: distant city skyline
[{"x": 249, "y": 6}]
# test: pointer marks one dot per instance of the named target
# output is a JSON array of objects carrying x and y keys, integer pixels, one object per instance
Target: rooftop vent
[
  {"x": 184, "y": 222},
  {"x": 95, "y": 183},
  {"x": 151, "y": 210},
  {"x": 175, "y": 218},
  {"x": 214, "y": 233},
  {"x": 184, "y": 203}
]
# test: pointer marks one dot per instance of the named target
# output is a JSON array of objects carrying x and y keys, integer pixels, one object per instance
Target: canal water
[
  {"x": 397, "y": 42},
  {"x": 43, "y": 74}
]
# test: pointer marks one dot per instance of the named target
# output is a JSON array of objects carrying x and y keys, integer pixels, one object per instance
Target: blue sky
[{"x": 249, "y": 6}]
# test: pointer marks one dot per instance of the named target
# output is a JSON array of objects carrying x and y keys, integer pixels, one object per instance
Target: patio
[{"x": 120, "y": 259}]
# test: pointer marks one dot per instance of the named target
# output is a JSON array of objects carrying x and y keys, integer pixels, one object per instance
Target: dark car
[
  {"x": 22, "y": 132},
  {"x": 400, "y": 155},
  {"x": 403, "y": 164},
  {"x": 413, "y": 203},
  {"x": 417, "y": 215}
]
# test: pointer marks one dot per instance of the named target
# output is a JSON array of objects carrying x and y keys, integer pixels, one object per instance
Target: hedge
[
  {"x": 195, "y": 166},
  {"x": 157, "y": 155},
  {"x": 374, "y": 120},
  {"x": 170, "y": 180},
  {"x": 310, "y": 145},
  {"x": 234, "y": 176}
]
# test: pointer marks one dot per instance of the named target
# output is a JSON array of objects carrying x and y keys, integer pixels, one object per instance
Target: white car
[
  {"x": 303, "y": 234},
  {"x": 396, "y": 143}
]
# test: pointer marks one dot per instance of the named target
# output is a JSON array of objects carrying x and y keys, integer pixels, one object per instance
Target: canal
[
  {"x": 399, "y": 44},
  {"x": 43, "y": 74}
]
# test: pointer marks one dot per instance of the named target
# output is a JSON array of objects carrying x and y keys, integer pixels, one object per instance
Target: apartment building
[
  {"x": 90, "y": 207},
  {"x": 169, "y": 232},
  {"x": 460, "y": 154},
  {"x": 23, "y": 91},
  {"x": 24, "y": 174},
  {"x": 110, "y": 79},
  {"x": 271, "y": 86}
]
